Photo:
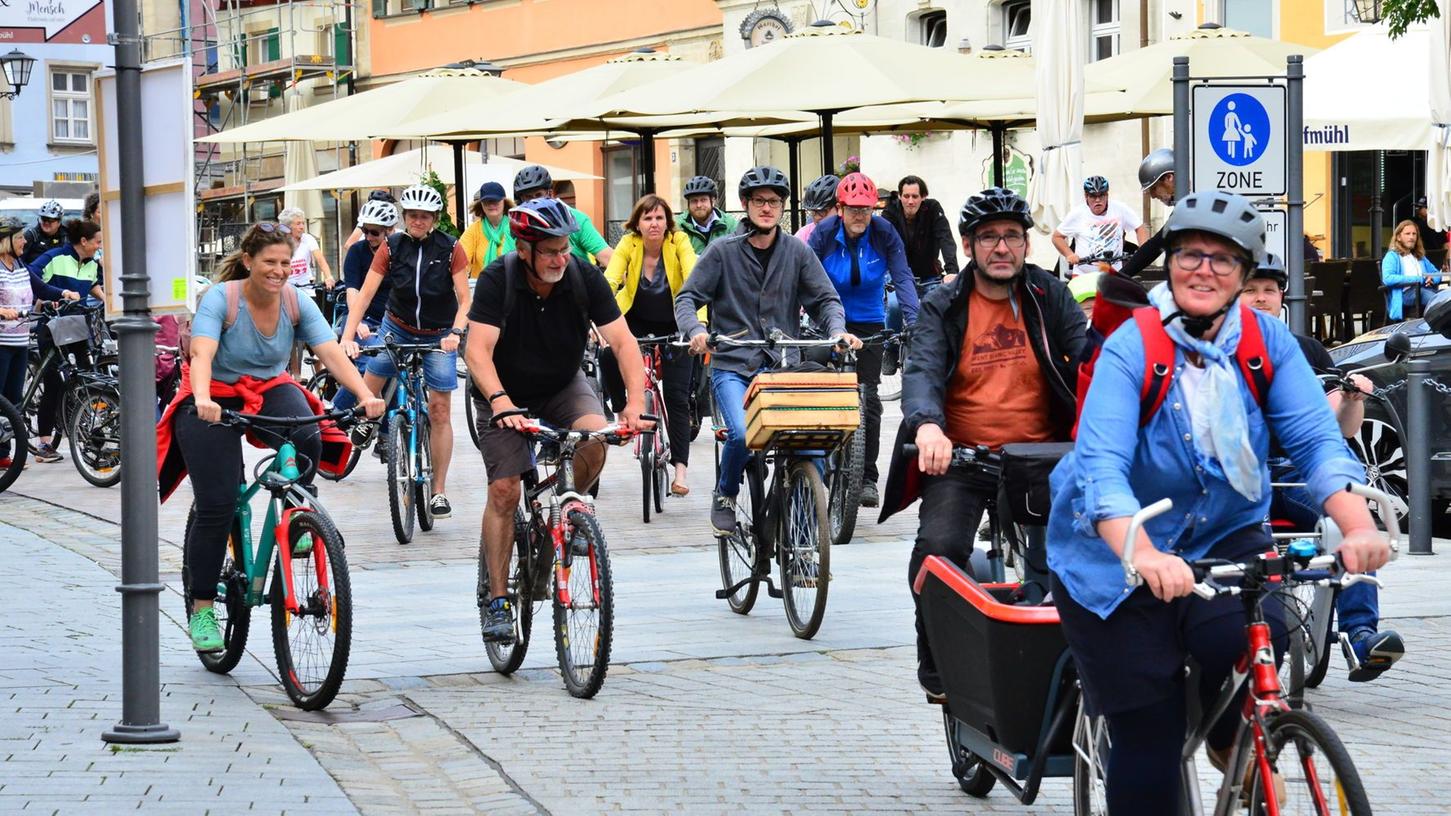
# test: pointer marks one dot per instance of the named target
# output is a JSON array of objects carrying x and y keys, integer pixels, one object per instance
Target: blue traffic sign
[
  {"x": 1239, "y": 129},
  {"x": 1240, "y": 135}
]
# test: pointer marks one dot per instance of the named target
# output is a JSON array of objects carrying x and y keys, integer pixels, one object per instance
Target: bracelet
[{"x": 496, "y": 395}]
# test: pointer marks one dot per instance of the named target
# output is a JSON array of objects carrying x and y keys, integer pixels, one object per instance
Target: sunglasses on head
[{"x": 270, "y": 227}]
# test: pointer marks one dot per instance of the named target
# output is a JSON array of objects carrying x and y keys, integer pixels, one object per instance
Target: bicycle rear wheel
[
  {"x": 845, "y": 476},
  {"x": 741, "y": 553},
  {"x": 804, "y": 549},
  {"x": 324, "y": 385},
  {"x": 234, "y": 616},
  {"x": 423, "y": 479},
  {"x": 1319, "y": 776},
  {"x": 470, "y": 413},
  {"x": 647, "y": 473},
  {"x": 400, "y": 479},
  {"x": 95, "y": 436},
  {"x": 13, "y": 432},
  {"x": 584, "y": 627},
  {"x": 312, "y": 644},
  {"x": 507, "y": 657}
]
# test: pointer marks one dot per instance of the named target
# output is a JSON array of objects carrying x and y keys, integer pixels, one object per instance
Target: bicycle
[
  {"x": 845, "y": 469},
  {"x": 652, "y": 447},
  {"x": 310, "y": 592},
  {"x": 14, "y": 432},
  {"x": 781, "y": 515},
  {"x": 89, "y": 412},
  {"x": 554, "y": 525},
  {"x": 409, "y": 451}
]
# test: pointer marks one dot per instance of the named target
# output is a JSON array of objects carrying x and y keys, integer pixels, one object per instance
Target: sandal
[{"x": 679, "y": 489}]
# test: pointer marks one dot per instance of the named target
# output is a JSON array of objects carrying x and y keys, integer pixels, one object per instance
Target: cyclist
[
  {"x": 529, "y": 324},
  {"x": 1357, "y": 606},
  {"x": 242, "y": 367},
  {"x": 701, "y": 221},
  {"x": 428, "y": 297},
  {"x": 925, "y": 231},
  {"x": 488, "y": 238},
  {"x": 72, "y": 266},
  {"x": 820, "y": 201},
  {"x": 46, "y": 234},
  {"x": 990, "y": 364},
  {"x": 754, "y": 283},
  {"x": 859, "y": 250},
  {"x": 1097, "y": 227},
  {"x": 357, "y": 234},
  {"x": 1205, "y": 450},
  {"x": 1156, "y": 177},
  {"x": 650, "y": 264},
  {"x": 376, "y": 220},
  {"x": 534, "y": 182}
]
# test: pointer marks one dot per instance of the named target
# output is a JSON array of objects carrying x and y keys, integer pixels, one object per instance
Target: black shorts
[{"x": 506, "y": 451}]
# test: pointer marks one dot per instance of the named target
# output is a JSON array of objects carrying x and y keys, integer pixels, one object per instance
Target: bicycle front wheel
[
  {"x": 507, "y": 657},
  {"x": 95, "y": 436},
  {"x": 423, "y": 478},
  {"x": 846, "y": 486},
  {"x": 740, "y": 552},
  {"x": 584, "y": 616},
  {"x": 15, "y": 437},
  {"x": 804, "y": 549},
  {"x": 312, "y": 643},
  {"x": 1090, "y": 764},
  {"x": 1319, "y": 776},
  {"x": 647, "y": 474},
  {"x": 400, "y": 479}
]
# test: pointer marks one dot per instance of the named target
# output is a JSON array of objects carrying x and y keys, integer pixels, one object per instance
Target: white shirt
[
  {"x": 1411, "y": 265},
  {"x": 302, "y": 271},
  {"x": 1093, "y": 235}
]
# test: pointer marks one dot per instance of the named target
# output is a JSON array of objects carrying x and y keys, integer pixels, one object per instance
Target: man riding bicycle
[
  {"x": 528, "y": 328},
  {"x": 991, "y": 364},
  {"x": 534, "y": 182},
  {"x": 1096, "y": 228},
  {"x": 701, "y": 221},
  {"x": 754, "y": 283}
]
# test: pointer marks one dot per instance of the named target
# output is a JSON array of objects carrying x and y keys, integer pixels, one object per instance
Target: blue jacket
[
  {"x": 1117, "y": 467},
  {"x": 882, "y": 253},
  {"x": 1398, "y": 285}
]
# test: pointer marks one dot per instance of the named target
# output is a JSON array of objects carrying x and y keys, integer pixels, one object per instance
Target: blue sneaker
[
  {"x": 499, "y": 622},
  {"x": 1369, "y": 653}
]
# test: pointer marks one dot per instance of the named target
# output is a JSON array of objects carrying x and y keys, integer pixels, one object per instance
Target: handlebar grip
[
  {"x": 1131, "y": 575},
  {"x": 909, "y": 450}
]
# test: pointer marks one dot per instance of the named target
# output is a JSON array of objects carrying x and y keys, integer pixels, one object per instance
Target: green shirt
[{"x": 587, "y": 242}]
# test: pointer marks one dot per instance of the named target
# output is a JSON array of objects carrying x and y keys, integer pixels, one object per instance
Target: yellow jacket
[{"x": 624, "y": 269}]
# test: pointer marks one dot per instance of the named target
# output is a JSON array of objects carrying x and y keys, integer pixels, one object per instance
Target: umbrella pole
[
  {"x": 458, "y": 186},
  {"x": 998, "y": 137},
  {"x": 794, "y": 152},
  {"x": 647, "y": 160},
  {"x": 828, "y": 161}
]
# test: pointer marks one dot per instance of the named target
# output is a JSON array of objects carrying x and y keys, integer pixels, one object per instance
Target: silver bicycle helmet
[
  {"x": 1155, "y": 166},
  {"x": 51, "y": 209},
  {"x": 1231, "y": 217},
  {"x": 1095, "y": 185}
]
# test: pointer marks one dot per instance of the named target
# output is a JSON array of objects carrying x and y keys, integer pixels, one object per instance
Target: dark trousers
[
  {"x": 48, "y": 411},
  {"x": 213, "y": 456},
  {"x": 951, "y": 508},
  {"x": 12, "y": 380},
  {"x": 868, "y": 375},
  {"x": 677, "y": 374}
]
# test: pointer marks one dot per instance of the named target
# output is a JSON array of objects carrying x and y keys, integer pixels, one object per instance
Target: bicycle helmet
[
  {"x": 1095, "y": 185},
  {"x": 820, "y": 194},
  {"x": 856, "y": 190},
  {"x": 1272, "y": 268},
  {"x": 701, "y": 185},
  {"x": 542, "y": 218},
  {"x": 51, "y": 209},
  {"x": 1085, "y": 286},
  {"x": 531, "y": 178},
  {"x": 1231, "y": 217},
  {"x": 420, "y": 197},
  {"x": 1155, "y": 166},
  {"x": 377, "y": 214},
  {"x": 993, "y": 204},
  {"x": 764, "y": 178},
  {"x": 9, "y": 225},
  {"x": 382, "y": 195}
]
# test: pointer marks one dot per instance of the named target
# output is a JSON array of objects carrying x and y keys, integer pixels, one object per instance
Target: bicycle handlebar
[
  {"x": 230, "y": 417},
  {"x": 614, "y": 434},
  {"x": 962, "y": 455}
]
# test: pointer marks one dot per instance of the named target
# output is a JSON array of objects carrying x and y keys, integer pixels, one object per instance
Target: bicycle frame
[
  {"x": 562, "y": 499},
  {"x": 654, "y": 361},
  {"x": 283, "y": 472},
  {"x": 409, "y": 395}
]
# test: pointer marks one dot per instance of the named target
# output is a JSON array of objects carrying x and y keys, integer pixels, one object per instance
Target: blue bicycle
[{"x": 408, "y": 452}]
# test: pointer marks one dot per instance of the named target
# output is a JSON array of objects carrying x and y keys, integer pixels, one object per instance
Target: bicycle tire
[
  {"x": 889, "y": 387},
  {"x": 234, "y": 616},
  {"x": 353, "y": 459},
  {"x": 968, "y": 768},
  {"x": 507, "y": 657},
  {"x": 94, "y": 436},
  {"x": 400, "y": 482},
  {"x": 423, "y": 479},
  {"x": 662, "y": 477},
  {"x": 14, "y": 431},
  {"x": 312, "y": 687},
  {"x": 846, "y": 486},
  {"x": 470, "y": 416},
  {"x": 740, "y": 553},
  {"x": 647, "y": 473},
  {"x": 1316, "y": 676},
  {"x": 1320, "y": 756},
  {"x": 803, "y": 549},
  {"x": 582, "y": 641},
  {"x": 1090, "y": 764},
  {"x": 323, "y": 385}
]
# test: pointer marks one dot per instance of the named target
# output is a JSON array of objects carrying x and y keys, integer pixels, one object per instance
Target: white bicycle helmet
[
  {"x": 378, "y": 214},
  {"x": 51, "y": 209},
  {"x": 420, "y": 197}
]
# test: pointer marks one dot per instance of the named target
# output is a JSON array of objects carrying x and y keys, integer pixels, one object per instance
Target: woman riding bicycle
[
  {"x": 646, "y": 271},
  {"x": 1205, "y": 449},
  {"x": 239, "y": 362}
]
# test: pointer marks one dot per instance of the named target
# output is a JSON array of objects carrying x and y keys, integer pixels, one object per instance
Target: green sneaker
[{"x": 206, "y": 636}]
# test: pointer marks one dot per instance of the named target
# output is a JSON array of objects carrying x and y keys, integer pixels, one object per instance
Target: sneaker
[
  {"x": 206, "y": 636},
  {"x": 1370, "y": 652},
  {"x": 723, "y": 514},
  {"x": 931, "y": 684},
  {"x": 870, "y": 496},
  {"x": 499, "y": 622},
  {"x": 578, "y": 544},
  {"x": 439, "y": 506},
  {"x": 362, "y": 433},
  {"x": 47, "y": 454}
]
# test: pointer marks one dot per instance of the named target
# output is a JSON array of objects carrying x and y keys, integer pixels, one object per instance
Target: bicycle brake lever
[{"x": 1205, "y": 591}]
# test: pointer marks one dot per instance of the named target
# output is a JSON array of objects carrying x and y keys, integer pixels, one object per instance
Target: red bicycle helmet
[
  {"x": 856, "y": 190},
  {"x": 540, "y": 219}
]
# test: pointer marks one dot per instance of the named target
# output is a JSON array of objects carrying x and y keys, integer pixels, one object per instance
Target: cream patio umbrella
[
  {"x": 1369, "y": 92},
  {"x": 1438, "y": 164},
  {"x": 409, "y": 167},
  {"x": 1058, "y": 32}
]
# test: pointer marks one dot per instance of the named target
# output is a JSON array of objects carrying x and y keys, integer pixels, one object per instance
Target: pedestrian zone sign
[{"x": 1239, "y": 139}]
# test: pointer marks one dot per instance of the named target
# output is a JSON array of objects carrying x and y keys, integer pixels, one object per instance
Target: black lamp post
[{"x": 16, "y": 67}]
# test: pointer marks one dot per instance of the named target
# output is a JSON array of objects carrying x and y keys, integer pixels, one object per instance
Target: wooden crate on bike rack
[{"x": 806, "y": 410}]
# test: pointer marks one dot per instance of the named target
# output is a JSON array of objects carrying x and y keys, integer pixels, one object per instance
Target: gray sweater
[{"x": 727, "y": 278}]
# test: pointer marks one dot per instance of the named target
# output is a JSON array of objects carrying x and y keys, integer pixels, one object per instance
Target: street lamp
[
  {"x": 1367, "y": 11},
  {"x": 16, "y": 67}
]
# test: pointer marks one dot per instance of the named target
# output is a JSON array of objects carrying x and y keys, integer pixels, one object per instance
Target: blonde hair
[{"x": 1419, "y": 249}]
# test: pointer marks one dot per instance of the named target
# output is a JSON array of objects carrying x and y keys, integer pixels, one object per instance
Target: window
[
  {"x": 70, "y": 106},
  {"x": 1256, "y": 17},
  {"x": 1017, "y": 14},
  {"x": 508, "y": 148},
  {"x": 710, "y": 160},
  {"x": 932, "y": 29},
  {"x": 1103, "y": 29},
  {"x": 621, "y": 189}
]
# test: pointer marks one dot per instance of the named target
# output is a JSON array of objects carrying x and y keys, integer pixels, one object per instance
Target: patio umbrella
[
  {"x": 299, "y": 163},
  {"x": 409, "y": 167},
  {"x": 1059, "y": 34},
  {"x": 1438, "y": 164},
  {"x": 1369, "y": 92}
]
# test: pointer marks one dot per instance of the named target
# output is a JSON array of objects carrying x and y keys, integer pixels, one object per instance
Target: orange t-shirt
[{"x": 997, "y": 393}]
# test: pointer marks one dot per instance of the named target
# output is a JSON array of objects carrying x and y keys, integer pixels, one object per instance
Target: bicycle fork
[{"x": 564, "y": 556}]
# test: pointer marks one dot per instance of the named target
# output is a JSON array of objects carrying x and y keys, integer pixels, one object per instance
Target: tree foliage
[
  {"x": 445, "y": 223},
  {"x": 1402, "y": 14}
]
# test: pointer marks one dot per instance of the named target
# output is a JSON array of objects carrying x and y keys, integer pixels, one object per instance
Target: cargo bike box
[{"x": 801, "y": 409}]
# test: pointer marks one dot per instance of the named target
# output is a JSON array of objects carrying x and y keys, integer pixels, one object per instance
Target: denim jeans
[
  {"x": 729, "y": 390},
  {"x": 345, "y": 399},
  {"x": 1358, "y": 606}
]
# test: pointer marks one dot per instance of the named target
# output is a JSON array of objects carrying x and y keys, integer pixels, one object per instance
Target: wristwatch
[{"x": 458, "y": 331}]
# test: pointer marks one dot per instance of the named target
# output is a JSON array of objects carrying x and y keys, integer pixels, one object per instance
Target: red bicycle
[{"x": 652, "y": 447}]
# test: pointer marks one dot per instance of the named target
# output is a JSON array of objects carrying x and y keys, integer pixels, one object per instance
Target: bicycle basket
[
  {"x": 1024, "y": 485},
  {"x": 69, "y": 330},
  {"x": 823, "y": 403}
]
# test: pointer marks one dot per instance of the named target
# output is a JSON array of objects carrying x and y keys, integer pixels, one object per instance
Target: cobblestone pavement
[{"x": 703, "y": 711}]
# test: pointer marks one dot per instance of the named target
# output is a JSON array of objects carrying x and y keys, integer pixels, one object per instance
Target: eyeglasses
[
  {"x": 1222, "y": 265},
  {"x": 857, "y": 211},
  {"x": 1014, "y": 240},
  {"x": 374, "y": 233},
  {"x": 773, "y": 203},
  {"x": 550, "y": 254}
]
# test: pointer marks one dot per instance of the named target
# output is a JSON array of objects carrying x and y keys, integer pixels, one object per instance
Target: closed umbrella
[
  {"x": 1058, "y": 33},
  {"x": 300, "y": 164},
  {"x": 1438, "y": 164}
]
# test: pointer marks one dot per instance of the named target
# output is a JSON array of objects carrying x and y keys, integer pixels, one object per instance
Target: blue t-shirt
[
  {"x": 246, "y": 351},
  {"x": 355, "y": 271}
]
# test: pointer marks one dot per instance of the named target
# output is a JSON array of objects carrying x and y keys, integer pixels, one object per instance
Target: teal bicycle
[{"x": 310, "y": 594}]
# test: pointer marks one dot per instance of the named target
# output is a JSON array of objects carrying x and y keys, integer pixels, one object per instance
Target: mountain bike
[
  {"x": 554, "y": 527},
  {"x": 310, "y": 592},
  {"x": 652, "y": 447},
  {"x": 408, "y": 452}
]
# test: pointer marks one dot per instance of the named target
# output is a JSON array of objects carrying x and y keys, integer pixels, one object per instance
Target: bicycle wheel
[
  {"x": 584, "y": 626},
  {"x": 889, "y": 387},
  {"x": 507, "y": 657},
  {"x": 1302, "y": 651},
  {"x": 1319, "y": 776},
  {"x": 353, "y": 459},
  {"x": 469, "y": 415},
  {"x": 741, "y": 553},
  {"x": 95, "y": 436},
  {"x": 13, "y": 434},
  {"x": 423, "y": 478},
  {"x": 845, "y": 478},
  {"x": 400, "y": 480},
  {"x": 1090, "y": 764},
  {"x": 1316, "y": 675},
  {"x": 323, "y": 385},
  {"x": 312, "y": 644},
  {"x": 234, "y": 616},
  {"x": 972, "y": 775},
  {"x": 647, "y": 473},
  {"x": 804, "y": 549}
]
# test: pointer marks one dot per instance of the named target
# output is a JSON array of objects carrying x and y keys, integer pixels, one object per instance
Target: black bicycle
[{"x": 78, "y": 347}]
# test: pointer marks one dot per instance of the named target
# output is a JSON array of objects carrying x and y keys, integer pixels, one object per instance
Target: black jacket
[
  {"x": 1055, "y": 326},
  {"x": 1145, "y": 255},
  {"x": 420, "y": 274},
  {"x": 931, "y": 238}
]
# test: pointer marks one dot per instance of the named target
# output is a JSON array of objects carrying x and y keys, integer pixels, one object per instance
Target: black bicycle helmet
[
  {"x": 542, "y": 218},
  {"x": 1272, "y": 268},
  {"x": 993, "y": 204},
  {"x": 1095, "y": 185},
  {"x": 382, "y": 195},
  {"x": 701, "y": 185},
  {"x": 531, "y": 178},
  {"x": 764, "y": 178},
  {"x": 820, "y": 194}
]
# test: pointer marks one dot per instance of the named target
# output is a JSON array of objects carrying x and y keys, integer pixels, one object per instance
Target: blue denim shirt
[{"x": 1118, "y": 467}]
